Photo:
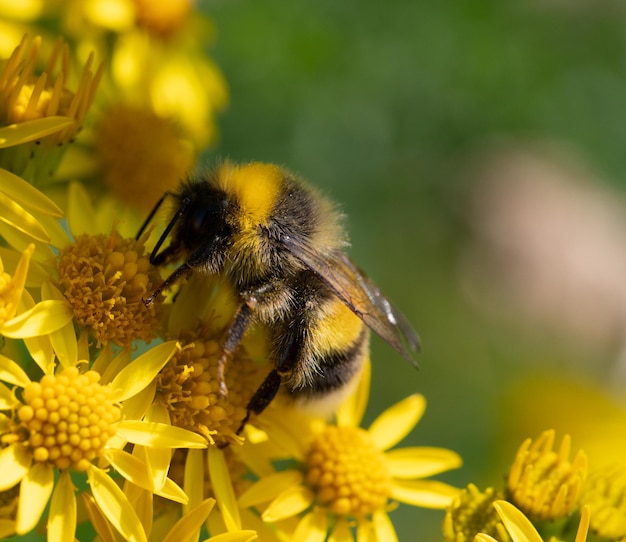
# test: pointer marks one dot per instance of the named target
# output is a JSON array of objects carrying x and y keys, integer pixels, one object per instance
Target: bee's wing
[{"x": 361, "y": 295}]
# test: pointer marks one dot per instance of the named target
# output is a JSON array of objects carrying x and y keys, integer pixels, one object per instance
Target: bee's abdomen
[{"x": 335, "y": 343}]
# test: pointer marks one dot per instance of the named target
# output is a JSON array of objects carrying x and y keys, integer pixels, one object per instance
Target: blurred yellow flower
[
  {"x": 25, "y": 96},
  {"x": 544, "y": 482}
]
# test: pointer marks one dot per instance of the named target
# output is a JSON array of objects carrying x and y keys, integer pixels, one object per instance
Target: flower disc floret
[
  {"x": 472, "y": 512},
  {"x": 105, "y": 278},
  {"x": 605, "y": 493},
  {"x": 189, "y": 386},
  {"x": 347, "y": 472},
  {"x": 69, "y": 418},
  {"x": 543, "y": 482}
]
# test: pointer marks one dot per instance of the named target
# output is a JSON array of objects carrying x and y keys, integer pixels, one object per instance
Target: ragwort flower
[
  {"x": 199, "y": 393},
  {"x": 472, "y": 512},
  {"x": 26, "y": 97},
  {"x": 544, "y": 483},
  {"x": 604, "y": 494},
  {"x": 65, "y": 422},
  {"x": 347, "y": 475}
]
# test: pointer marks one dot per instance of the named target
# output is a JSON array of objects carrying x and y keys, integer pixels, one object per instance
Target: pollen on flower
[
  {"x": 472, "y": 512},
  {"x": 24, "y": 95},
  {"x": 347, "y": 472},
  {"x": 143, "y": 155},
  {"x": 543, "y": 482},
  {"x": 69, "y": 418},
  {"x": 105, "y": 278},
  {"x": 189, "y": 386},
  {"x": 605, "y": 493}
]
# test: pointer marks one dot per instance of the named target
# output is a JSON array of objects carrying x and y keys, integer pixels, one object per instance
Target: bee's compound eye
[{"x": 205, "y": 220}]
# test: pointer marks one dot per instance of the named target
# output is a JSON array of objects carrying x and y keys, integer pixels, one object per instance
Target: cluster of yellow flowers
[{"x": 112, "y": 423}]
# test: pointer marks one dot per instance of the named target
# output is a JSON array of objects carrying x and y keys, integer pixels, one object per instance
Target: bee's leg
[
  {"x": 241, "y": 322},
  {"x": 270, "y": 386},
  {"x": 262, "y": 397}
]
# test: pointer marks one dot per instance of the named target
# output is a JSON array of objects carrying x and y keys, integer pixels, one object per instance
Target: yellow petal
[
  {"x": 62, "y": 515},
  {"x": 482, "y": 537},
  {"x": 59, "y": 237},
  {"x": 7, "y": 398},
  {"x": 35, "y": 490},
  {"x": 350, "y": 413},
  {"x": 189, "y": 525},
  {"x": 424, "y": 493},
  {"x": 40, "y": 349},
  {"x": 223, "y": 489},
  {"x": 517, "y": 524},
  {"x": 130, "y": 467},
  {"x": 421, "y": 462},
  {"x": 36, "y": 275},
  {"x": 64, "y": 339},
  {"x": 159, "y": 435},
  {"x": 396, "y": 422},
  {"x": 26, "y": 195},
  {"x": 96, "y": 517},
  {"x": 45, "y": 317},
  {"x": 289, "y": 503},
  {"x": 341, "y": 532},
  {"x": 239, "y": 536},
  {"x": 312, "y": 527},
  {"x": 142, "y": 371},
  {"x": 269, "y": 487},
  {"x": 365, "y": 531},
  {"x": 80, "y": 211},
  {"x": 383, "y": 527},
  {"x": 115, "y": 506},
  {"x": 20, "y": 241},
  {"x": 193, "y": 483},
  {"x": 14, "y": 214},
  {"x": 173, "y": 492},
  {"x": 157, "y": 458},
  {"x": 583, "y": 525},
  {"x": 31, "y": 130},
  {"x": 12, "y": 373},
  {"x": 15, "y": 462}
]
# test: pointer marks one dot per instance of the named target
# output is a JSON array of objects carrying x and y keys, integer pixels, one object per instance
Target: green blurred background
[{"x": 385, "y": 106}]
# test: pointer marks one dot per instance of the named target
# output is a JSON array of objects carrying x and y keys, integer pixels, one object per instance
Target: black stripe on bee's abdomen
[{"x": 336, "y": 369}]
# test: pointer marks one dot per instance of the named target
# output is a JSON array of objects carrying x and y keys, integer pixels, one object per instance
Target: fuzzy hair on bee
[{"x": 281, "y": 245}]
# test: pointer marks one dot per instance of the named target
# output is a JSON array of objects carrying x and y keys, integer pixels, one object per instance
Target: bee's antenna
[
  {"x": 181, "y": 210},
  {"x": 151, "y": 215}
]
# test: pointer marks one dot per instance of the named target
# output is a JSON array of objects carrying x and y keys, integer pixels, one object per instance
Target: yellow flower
[
  {"x": 472, "y": 512},
  {"x": 347, "y": 474},
  {"x": 521, "y": 529},
  {"x": 25, "y": 96},
  {"x": 142, "y": 155},
  {"x": 543, "y": 482},
  {"x": 191, "y": 386},
  {"x": 65, "y": 422},
  {"x": 604, "y": 494}
]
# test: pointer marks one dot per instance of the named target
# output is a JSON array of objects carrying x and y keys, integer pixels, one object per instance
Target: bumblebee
[{"x": 280, "y": 244}]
